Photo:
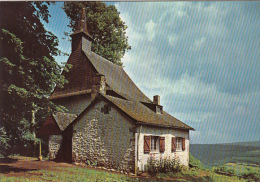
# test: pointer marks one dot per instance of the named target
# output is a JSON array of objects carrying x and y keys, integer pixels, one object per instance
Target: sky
[{"x": 202, "y": 58}]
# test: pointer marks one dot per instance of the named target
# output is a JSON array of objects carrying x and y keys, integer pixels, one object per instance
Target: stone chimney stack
[
  {"x": 102, "y": 84},
  {"x": 156, "y": 99},
  {"x": 94, "y": 92},
  {"x": 100, "y": 87}
]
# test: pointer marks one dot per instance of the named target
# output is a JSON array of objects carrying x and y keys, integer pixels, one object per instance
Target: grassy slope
[
  {"x": 69, "y": 174},
  {"x": 242, "y": 168},
  {"x": 77, "y": 173},
  {"x": 219, "y": 154}
]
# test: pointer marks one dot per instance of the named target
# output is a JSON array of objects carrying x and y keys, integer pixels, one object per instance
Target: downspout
[{"x": 137, "y": 150}]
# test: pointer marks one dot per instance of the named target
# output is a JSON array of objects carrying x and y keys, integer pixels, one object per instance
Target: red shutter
[
  {"x": 147, "y": 143},
  {"x": 162, "y": 144},
  {"x": 183, "y": 144},
  {"x": 174, "y": 144}
]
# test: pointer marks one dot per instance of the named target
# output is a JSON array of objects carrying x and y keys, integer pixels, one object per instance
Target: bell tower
[{"x": 81, "y": 38}]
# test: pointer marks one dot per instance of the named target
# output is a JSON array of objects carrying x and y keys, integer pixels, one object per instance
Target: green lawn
[
  {"x": 67, "y": 174},
  {"x": 240, "y": 168},
  {"x": 75, "y": 174},
  {"x": 51, "y": 171}
]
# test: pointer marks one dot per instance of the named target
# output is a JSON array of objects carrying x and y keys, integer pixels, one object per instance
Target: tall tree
[
  {"x": 104, "y": 25},
  {"x": 28, "y": 70}
]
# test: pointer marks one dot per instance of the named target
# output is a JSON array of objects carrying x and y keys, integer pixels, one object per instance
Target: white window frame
[
  {"x": 154, "y": 144},
  {"x": 179, "y": 144}
]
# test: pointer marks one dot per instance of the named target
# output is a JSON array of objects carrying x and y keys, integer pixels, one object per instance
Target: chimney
[
  {"x": 156, "y": 99},
  {"x": 94, "y": 92},
  {"x": 100, "y": 87},
  {"x": 102, "y": 84}
]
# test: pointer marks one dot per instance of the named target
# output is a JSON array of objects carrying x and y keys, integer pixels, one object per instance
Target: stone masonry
[
  {"x": 103, "y": 136},
  {"x": 54, "y": 145}
]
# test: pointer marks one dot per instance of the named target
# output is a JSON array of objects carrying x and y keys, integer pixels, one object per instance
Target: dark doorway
[{"x": 65, "y": 152}]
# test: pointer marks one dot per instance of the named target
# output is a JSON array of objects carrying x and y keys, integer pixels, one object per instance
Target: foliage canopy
[{"x": 28, "y": 70}]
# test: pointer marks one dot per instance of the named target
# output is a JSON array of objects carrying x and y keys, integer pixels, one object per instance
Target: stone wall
[
  {"x": 168, "y": 134},
  {"x": 103, "y": 135},
  {"x": 54, "y": 145}
]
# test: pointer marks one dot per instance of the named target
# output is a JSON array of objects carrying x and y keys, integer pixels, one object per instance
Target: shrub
[
  {"x": 196, "y": 163},
  {"x": 154, "y": 166},
  {"x": 251, "y": 176},
  {"x": 223, "y": 169}
]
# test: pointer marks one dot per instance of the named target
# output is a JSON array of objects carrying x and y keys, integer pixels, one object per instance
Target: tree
[
  {"x": 28, "y": 71},
  {"x": 104, "y": 25}
]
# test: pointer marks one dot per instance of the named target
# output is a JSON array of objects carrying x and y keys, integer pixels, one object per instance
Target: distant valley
[{"x": 219, "y": 154}]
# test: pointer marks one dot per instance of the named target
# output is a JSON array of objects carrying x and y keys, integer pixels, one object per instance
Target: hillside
[
  {"x": 218, "y": 154},
  {"x": 20, "y": 169}
]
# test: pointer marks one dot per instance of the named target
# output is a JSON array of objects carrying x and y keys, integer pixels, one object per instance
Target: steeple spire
[
  {"x": 82, "y": 24},
  {"x": 81, "y": 37}
]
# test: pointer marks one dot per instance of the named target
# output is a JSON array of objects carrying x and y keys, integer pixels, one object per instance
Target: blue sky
[{"x": 202, "y": 58}]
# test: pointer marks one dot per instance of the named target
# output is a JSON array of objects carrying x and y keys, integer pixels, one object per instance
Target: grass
[
  {"x": 240, "y": 168},
  {"x": 77, "y": 174},
  {"x": 67, "y": 174},
  {"x": 197, "y": 176},
  {"x": 220, "y": 178}
]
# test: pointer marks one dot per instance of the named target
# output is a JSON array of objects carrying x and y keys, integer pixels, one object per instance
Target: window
[
  {"x": 154, "y": 144},
  {"x": 178, "y": 144},
  {"x": 159, "y": 109},
  {"x": 106, "y": 109}
]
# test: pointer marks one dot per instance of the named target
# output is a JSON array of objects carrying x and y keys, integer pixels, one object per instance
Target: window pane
[
  {"x": 154, "y": 143},
  {"x": 179, "y": 143}
]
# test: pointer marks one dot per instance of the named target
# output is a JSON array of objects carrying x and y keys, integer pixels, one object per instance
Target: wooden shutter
[
  {"x": 147, "y": 143},
  {"x": 174, "y": 144},
  {"x": 183, "y": 144},
  {"x": 162, "y": 144}
]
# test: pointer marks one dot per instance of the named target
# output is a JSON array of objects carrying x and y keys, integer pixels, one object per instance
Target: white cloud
[
  {"x": 197, "y": 117},
  {"x": 185, "y": 85},
  {"x": 172, "y": 39},
  {"x": 198, "y": 79},
  {"x": 150, "y": 30},
  {"x": 198, "y": 44},
  {"x": 179, "y": 9},
  {"x": 134, "y": 35}
]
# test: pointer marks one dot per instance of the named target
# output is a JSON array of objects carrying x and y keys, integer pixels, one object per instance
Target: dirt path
[
  {"x": 18, "y": 166},
  {"x": 28, "y": 163}
]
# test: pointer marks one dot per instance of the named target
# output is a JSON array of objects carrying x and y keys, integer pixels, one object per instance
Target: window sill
[
  {"x": 154, "y": 152},
  {"x": 179, "y": 151}
]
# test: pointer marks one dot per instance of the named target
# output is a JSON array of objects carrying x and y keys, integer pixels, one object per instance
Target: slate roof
[
  {"x": 87, "y": 64},
  {"x": 56, "y": 123},
  {"x": 144, "y": 115},
  {"x": 117, "y": 79},
  {"x": 64, "y": 119}
]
